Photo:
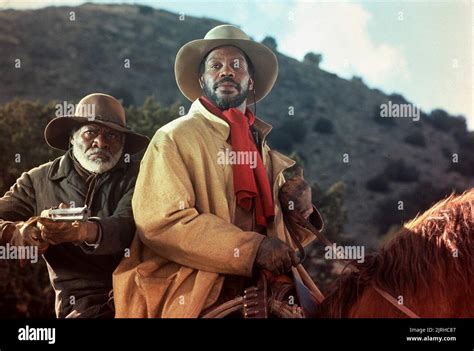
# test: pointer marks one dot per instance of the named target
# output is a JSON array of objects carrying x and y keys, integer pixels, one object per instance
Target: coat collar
[
  {"x": 60, "y": 168},
  {"x": 280, "y": 162},
  {"x": 221, "y": 126}
]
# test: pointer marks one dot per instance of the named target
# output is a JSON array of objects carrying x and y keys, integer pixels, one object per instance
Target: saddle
[{"x": 269, "y": 297}]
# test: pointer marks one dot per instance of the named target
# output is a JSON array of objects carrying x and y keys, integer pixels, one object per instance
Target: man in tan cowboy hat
[
  {"x": 206, "y": 204},
  {"x": 94, "y": 172}
]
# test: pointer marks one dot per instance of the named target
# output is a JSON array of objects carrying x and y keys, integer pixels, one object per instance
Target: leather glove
[
  {"x": 26, "y": 234},
  {"x": 295, "y": 191},
  {"x": 57, "y": 232},
  {"x": 275, "y": 256},
  {"x": 7, "y": 229}
]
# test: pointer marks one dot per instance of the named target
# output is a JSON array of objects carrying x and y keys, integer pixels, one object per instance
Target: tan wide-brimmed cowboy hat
[
  {"x": 94, "y": 108},
  {"x": 189, "y": 57}
]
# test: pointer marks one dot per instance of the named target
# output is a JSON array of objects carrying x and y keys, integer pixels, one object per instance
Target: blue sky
[{"x": 421, "y": 49}]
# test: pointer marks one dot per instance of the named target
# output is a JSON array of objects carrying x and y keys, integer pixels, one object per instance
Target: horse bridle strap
[
  {"x": 395, "y": 302},
  {"x": 303, "y": 222},
  {"x": 298, "y": 218}
]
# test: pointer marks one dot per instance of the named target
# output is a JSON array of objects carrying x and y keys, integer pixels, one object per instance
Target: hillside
[{"x": 325, "y": 119}]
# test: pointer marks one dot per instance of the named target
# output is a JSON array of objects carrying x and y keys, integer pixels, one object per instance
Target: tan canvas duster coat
[{"x": 184, "y": 206}]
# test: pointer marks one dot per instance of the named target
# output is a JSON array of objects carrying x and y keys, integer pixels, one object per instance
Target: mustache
[
  {"x": 96, "y": 150},
  {"x": 229, "y": 80}
]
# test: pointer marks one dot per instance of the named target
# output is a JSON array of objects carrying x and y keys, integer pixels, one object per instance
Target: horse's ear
[{"x": 299, "y": 171}]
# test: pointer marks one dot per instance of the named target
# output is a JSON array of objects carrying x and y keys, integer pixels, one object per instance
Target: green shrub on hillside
[
  {"x": 400, "y": 171},
  {"x": 416, "y": 138},
  {"x": 323, "y": 125},
  {"x": 379, "y": 184}
]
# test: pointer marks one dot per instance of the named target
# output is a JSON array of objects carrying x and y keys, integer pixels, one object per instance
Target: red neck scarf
[{"x": 251, "y": 185}]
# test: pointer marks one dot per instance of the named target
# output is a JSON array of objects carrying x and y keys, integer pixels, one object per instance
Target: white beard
[{"x": 95, "y": 166}]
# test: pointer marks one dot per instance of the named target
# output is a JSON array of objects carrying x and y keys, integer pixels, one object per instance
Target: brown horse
[{"x": 428, "y": 267}]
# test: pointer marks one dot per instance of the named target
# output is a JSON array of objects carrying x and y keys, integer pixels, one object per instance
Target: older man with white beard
[
  {"x": 97, "y": 172},
  {"x": 96, "y": 159}
]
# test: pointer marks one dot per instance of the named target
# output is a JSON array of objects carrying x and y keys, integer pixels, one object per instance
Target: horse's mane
[{"x": 420, "y": 255}]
